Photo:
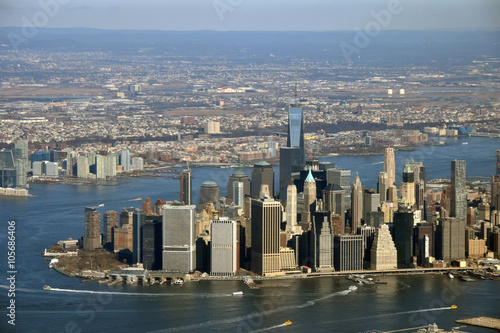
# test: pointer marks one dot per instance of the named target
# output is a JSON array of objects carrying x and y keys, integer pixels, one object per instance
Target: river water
[{"x": 317, "y": 305}]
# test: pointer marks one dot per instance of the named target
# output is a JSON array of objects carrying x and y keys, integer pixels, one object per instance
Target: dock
[{"x": 485, "y": 322}]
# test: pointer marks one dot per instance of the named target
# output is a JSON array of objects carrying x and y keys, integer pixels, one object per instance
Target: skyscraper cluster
[{"x": 317, "y": 220}]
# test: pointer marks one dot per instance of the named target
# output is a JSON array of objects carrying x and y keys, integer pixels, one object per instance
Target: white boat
[
  {"x": 451, "y": 276},
  {"x": 46, "y": 288},
  {"x": 353, "y": 288},
  {"x": 237, "y": 293},
  {"x": 178, "y": 282}
]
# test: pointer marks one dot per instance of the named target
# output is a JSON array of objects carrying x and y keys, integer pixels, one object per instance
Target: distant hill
[{"x": 389, "y": 47}]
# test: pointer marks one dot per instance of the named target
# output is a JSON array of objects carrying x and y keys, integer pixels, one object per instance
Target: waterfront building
[
  {"x": 209, "y": 193},
  {"x": 451, "y": 236},
  {"x": 125, "y": 160},
  {"x": 290, "y": 160},
  {"x": 82, "y": 167},
  {"x": 110, "y": 221},
  {"x": 348, "y": 252},
  {"x": 356, "y": 204},
  {"x": 403, "y": 237},
  {"x": 179, "y": 237},
  {"x": 322, "y": 242},
  {"x": 8, "y": 172},
  {"x": 383, "y": 251},
  {"x": 152, "y": 243},
  {"x": 368, "y": 233},
  {"x": 138, "y": 163},
  {"x": 138, "y": 221},
  {"x": 390, "y": 166},
  {"x": 265, "y": 236},
  {"x": 92, "y": 238},
  {"x": 238, "y": 176},
  {"x": 186, "y": 186},
  {"x": 458, "y": 200},
  {"x": 223, "y": 247},
  {"x": 423, "y": 237},
  {"x": 262, "y": 173}
]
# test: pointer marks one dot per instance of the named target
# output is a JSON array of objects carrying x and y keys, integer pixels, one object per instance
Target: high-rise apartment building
[
  {"x": 92, "y": 238},
  {"x": 110, "y": 221},
  {"x": 125, "y": 160}
]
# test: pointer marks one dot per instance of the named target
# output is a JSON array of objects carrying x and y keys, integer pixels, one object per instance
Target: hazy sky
[{"x": 316, "y": 15}]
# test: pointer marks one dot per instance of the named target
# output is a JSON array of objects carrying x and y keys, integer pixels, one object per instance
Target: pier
[{"x": 486, "y": 322}]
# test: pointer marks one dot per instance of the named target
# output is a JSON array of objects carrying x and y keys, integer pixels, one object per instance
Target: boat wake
[
  {"x": 270, "y": 328},
  {"x": 120, "y": 293},
  {"x": 253, "y": 315}
]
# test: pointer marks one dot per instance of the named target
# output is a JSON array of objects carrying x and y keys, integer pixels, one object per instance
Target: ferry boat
[
  {"x": 288, "y": 322},
  {"x": 46, "y": 287}
]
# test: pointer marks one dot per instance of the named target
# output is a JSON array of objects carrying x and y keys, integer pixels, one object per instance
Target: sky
[{"x": 254, "y": 15}]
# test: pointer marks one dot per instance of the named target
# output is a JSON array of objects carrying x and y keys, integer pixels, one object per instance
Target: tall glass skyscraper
[{"x": 295, "y": 136}]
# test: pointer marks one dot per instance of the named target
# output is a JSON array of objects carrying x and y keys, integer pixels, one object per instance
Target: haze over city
[{"x": 256, "y": 15}]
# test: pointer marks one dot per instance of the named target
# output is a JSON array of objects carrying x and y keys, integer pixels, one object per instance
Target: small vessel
[
  {"x": 138, "y": 199},
  {"x": 453, "y": 306},
  {"x": 451, "y": 276},
  {"x": 46, "y": 287},
  {"x": 288, "y": 322},
  {"x": 466, "y": 278},
  {"x": 353, "y": 288},
  {"x": 465, "y": 143},
  {"x": 237, "y": 293},
  {"x": 178, "y": 282}
]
